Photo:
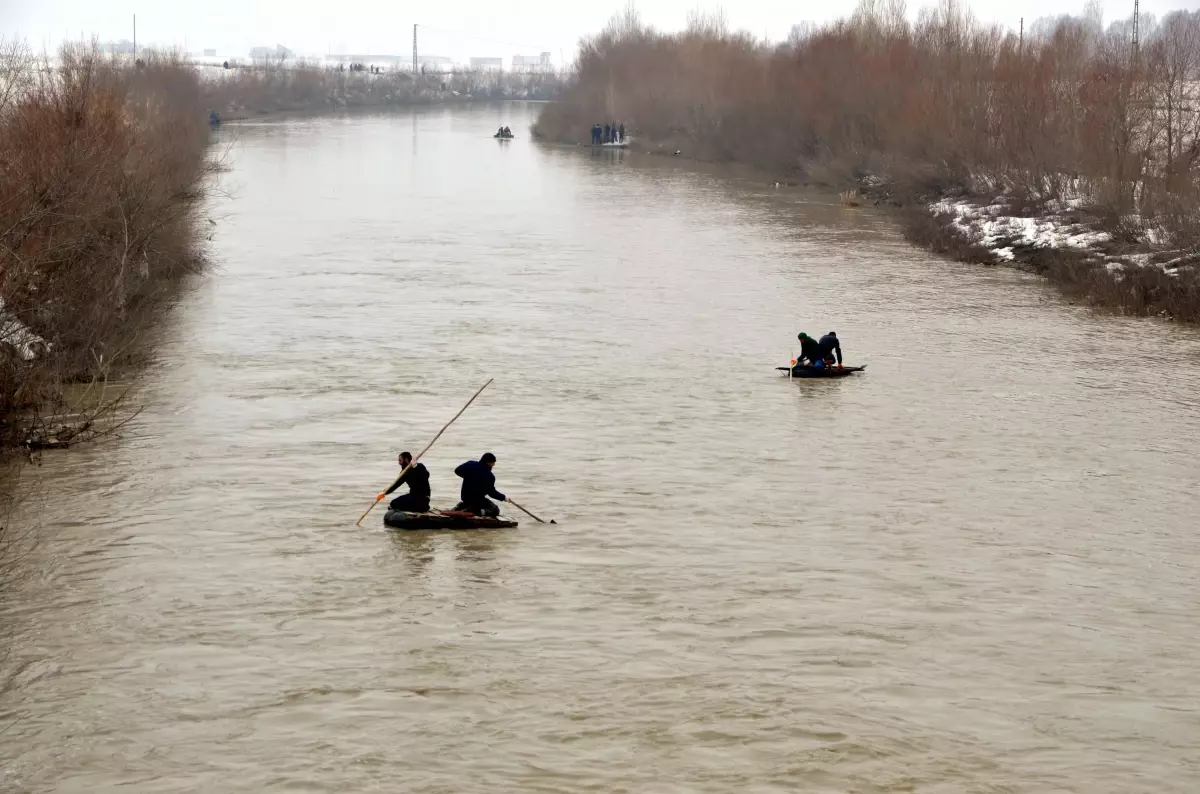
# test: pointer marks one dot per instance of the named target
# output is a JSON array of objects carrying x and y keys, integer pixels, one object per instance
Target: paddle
[
  {"x": 531, "y": 515},
  {"x": 413, "y": 462}
]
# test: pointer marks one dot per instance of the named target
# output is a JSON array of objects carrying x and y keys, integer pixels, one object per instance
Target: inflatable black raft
[
  {"x": 799, "y": 371},
  {"x": 443, "y": 519}
]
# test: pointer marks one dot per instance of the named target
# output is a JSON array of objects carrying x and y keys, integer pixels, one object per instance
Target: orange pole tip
[{"x": 380, "y": 497}]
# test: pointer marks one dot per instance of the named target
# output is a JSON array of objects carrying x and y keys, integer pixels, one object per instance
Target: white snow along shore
[
  {"x": 17, "y": 335},
  {"x": 991, "y": 227}
]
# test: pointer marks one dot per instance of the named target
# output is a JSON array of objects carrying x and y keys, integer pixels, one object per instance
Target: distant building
[
  {"x": 276, "y": 53},
  {"x": 210, "y": 53},
  {"x": 122, "y": 46},
  {"x": 532, "y": 63},
  {"x": 393, "y": 61},
  {"x": 435, "y": 63},
  {"x": 487, "y": 63}
]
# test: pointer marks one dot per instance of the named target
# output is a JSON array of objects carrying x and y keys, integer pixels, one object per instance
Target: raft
[
  {"x": 822, "y": 372},
  {"x": 621, "y": 145},
  {"x": 443, "y": 519},
  {"x": 504, "y": 137}
]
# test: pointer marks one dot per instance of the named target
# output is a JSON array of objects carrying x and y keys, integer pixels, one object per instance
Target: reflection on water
[
  {"x": 461, "y": 556},
  {"x": 971, "y": 569}
]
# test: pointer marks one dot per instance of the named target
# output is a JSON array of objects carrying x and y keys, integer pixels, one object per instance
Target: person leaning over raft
[
  {"x": 417, "y": 498},
  {"x": 829, "y": 347},
  {"x": 810, "y": 350},
  {"x": 478, "y": 484}
]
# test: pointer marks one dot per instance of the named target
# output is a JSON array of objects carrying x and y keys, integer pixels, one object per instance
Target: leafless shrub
[
  {"x": 103, "y": 166},
  {"x": 947, "y": 100}
]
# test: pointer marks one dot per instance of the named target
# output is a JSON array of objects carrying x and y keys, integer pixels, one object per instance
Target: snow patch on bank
[
  {"x": 991, "y": 227},
  {"x": 1061, "y": 224},
  {"x": 17, "y": 335}
]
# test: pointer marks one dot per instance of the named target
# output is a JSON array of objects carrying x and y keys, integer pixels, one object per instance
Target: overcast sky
[{"x": 385, "y": 26}]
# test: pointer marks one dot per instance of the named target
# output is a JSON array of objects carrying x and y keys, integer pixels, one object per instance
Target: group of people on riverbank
[
  {"x": 478, "y": 483},
  {"x": 608, "y": 133},
  {"x": 819, "y": 353}
]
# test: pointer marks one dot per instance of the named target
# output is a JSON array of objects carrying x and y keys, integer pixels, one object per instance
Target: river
[{"x": 971, "y": 569}]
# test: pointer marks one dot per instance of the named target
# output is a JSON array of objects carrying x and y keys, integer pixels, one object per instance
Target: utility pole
[
  {"x": 414, "y": 50},
  {"x": 1022, "y": 35},
  {"x": 135, "y": 35},
  {"x": 1136, "y": 42}
]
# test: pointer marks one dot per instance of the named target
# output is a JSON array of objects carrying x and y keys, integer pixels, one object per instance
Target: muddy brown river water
[{"x": 972, "y": 569}]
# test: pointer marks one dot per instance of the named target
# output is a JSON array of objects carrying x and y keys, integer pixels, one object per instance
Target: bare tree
[
  {"x": 103, "y": 168},
  {"x": 1174, "y": 85}
]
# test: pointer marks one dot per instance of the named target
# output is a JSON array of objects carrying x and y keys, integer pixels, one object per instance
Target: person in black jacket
[
  {"x": 810, "y": 350},
  {"x": 417, "y": 498},
  {"x": 478, "y": 483},
  {"x": 830, "y": 346}
]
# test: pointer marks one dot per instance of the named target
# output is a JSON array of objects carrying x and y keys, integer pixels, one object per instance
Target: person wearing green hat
[{"x": 810, "y": 351}]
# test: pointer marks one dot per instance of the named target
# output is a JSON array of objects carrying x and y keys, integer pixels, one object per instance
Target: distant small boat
[
  {"x": 621, "y": 145},
  {"x": 500, "y": 137},
  {"x": 443, "y": 519},
  {"x": 799, "y": 371}
]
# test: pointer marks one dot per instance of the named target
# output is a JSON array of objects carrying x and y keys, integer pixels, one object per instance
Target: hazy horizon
[{"x": 466, "y": 29}]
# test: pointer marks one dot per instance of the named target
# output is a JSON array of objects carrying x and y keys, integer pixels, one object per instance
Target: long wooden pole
[
  {"x": 526, "y": 512},
  {"x": 413, "y": 462}
]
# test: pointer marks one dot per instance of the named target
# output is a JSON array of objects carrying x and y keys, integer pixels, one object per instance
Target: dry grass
[{"x": 936, "y": 234}]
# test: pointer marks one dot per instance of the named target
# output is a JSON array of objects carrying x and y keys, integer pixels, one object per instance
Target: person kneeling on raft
[
  {"x": 417, "y": 498},
  {"x": 478, "y": 484}
]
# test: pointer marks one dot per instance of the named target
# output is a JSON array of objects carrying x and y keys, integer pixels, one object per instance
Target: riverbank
[
  {"x": 104, "y": 166},
  {"x": 1129, "y": 264},
  {"x": 1024, "y": 151}
]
